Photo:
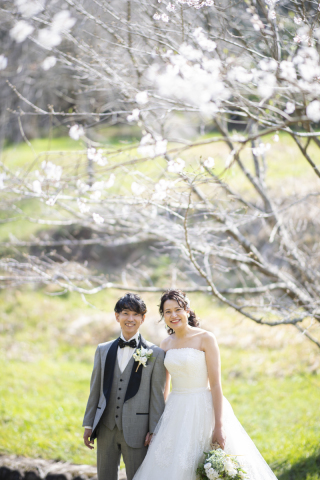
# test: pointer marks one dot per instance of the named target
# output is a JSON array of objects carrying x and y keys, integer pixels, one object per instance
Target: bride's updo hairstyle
[{"x": 182, "y": 300}]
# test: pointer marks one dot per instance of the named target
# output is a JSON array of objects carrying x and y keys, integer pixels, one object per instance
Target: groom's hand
[
  {"x": 86, "y": 437},
  {"x": 148, "y": 439}
]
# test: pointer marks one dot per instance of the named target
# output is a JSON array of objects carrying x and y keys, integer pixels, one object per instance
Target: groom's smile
[{"x": 130, "y": 322}]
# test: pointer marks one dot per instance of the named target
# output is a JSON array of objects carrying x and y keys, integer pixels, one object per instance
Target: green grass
[
  {"x": 45, "y": 373},
  {"x": 270, "y": 378},
  {"x": 287, "y": 170}
]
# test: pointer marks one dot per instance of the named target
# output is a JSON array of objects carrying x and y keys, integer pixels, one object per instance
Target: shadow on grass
[{"x": 306, "y": 468}]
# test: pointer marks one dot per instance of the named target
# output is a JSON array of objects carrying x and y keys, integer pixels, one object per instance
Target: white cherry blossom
[
  {"x": 266, "y": 85},
  {"x": 83, "y": 207},
  {"x": 97, "y": 218},
  {"x": 161, "y": 189},
  {"x": 240, "y": 74},
  {"x": 96, "y": 156},
  {"x": 21, "y": 31},
  {"x": 49, "y": 38},
  {"x": 62, "y": 21},
  {"x": 76, "y": 131},
  {"x": 134, "y": 116},
  {"x": 290, "y": 107},
  {"x": 170, "y": 7},
  {"x": 209, "y": 162},
  {"x": 142, "y": 98},
  {"x": 150, "y": 147},
  {"x": 3, "y": 62},
  {"x": 203, "y": 41},
  {"x": 53, "y": 172},
  {"x": 36, "y": 187},
  {"x": 49, "y": 62},
  {"x": 268, "y": 64},
  {"x": 95, "y": 196},
  {"x": 261, "y": 149},
  {"x": 109, "y": 183},
  {"x": 29, "y": 8},
  {"x": 287, "y": 70},
  {"x": 313, "y": 111},
  {"x": 176, "y": 166},
  {"x": 51, "y": 201},
  {"x": 137, "y": 189}
]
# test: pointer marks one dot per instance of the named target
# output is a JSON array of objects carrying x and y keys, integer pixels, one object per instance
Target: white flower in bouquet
[
  {"x": 230, "y": 468},
  {"x": 207, "y": 465},
  {"x": 213, "y": 476}
]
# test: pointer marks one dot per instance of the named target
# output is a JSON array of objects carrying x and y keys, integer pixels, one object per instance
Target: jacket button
[
  {"x": 116, "y": 416},
  {"x": 119, "y": 388},
  {"x": 118, "y": 407},
  {"x": 118, "y": 398},
  {"x": 121, "y": 380}
]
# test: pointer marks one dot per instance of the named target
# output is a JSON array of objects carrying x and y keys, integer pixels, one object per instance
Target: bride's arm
[
  {"x": 214, "y": 372},
  {"x": 163, "y": 345},
  {"x": 167, "y": 386}
]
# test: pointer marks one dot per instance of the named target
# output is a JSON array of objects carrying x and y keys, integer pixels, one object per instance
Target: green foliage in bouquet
[{"x": 218, "y": 464}]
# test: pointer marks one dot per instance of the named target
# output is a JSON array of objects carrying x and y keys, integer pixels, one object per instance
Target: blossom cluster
[
  {"x": 218, "y": 464},
  {"x": 152, "y": 146},
  {"x": 48, "y": 37}
]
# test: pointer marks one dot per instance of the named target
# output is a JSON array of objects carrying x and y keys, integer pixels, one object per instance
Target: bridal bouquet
[{"x": 218, "y": 464}]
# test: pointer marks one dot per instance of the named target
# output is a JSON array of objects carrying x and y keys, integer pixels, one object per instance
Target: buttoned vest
[{"x": 113, "y": 413}]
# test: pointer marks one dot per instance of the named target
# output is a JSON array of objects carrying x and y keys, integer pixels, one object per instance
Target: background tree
[{"x": 247, "y": 72}]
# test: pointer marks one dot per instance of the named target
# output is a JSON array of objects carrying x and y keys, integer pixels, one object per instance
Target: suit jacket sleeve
[
  {"x": 94, "y": 396},
  {"x": 158, "y": 381}
]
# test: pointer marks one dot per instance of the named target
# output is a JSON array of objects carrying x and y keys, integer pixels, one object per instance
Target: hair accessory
[{"x": 188, "y": 301}]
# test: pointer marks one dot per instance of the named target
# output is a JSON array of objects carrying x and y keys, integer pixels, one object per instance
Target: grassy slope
[
  {"x": 285, "y": 162},
  {"x": 46, "y": 368}
]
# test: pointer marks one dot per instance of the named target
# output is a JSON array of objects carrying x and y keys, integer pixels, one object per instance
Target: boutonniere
[{"x": 142, "y": 355}]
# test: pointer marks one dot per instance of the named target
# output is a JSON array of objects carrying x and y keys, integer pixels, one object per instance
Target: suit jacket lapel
[
  {"x": 109, "y": 369},
  {"x": 135, "y": 377}
]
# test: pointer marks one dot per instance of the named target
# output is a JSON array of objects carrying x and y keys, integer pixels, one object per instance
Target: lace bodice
[{"x": 188, "y": 369}]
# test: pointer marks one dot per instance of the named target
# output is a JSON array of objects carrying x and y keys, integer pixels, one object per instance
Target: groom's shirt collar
[{"x": 136, "y": 337}]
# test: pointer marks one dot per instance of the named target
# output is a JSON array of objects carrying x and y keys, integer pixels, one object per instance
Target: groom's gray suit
[{"x": 124, "y": 407}]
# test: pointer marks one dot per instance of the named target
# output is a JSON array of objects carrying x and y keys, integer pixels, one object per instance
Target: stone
[{"x": 31, "y": 475}]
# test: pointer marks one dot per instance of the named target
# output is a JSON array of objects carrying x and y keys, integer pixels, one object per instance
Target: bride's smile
[{"x": 174, "y": 315}]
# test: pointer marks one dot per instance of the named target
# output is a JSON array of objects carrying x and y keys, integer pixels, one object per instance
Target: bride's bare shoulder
[
  {"x": 165, "y": 344},
  {"x": 204, "y": 334},
  {"x": 208, "y": 340}
]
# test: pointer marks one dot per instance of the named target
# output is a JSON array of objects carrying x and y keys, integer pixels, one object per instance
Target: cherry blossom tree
[{"x": 249, "y": 71}]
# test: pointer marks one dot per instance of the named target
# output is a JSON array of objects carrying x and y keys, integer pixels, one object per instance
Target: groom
[{"x": 126, "y": 398}]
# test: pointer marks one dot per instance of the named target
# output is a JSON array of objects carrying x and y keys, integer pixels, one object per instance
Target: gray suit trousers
[{"x": 110, "y": 445}]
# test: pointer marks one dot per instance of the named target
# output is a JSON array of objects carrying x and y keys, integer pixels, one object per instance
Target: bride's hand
[{"x": 219, "y": 436}]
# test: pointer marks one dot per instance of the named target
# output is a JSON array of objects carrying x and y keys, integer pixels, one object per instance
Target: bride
[{"x": 196, "y": 413}]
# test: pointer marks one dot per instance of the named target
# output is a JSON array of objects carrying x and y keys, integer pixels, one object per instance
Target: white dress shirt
[{"x": 124, "y": 354}]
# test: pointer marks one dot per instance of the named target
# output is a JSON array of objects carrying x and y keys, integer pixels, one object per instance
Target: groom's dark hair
[{"x": 131, "y": 301}]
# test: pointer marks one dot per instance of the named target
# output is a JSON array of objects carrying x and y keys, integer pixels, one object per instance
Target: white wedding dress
[{"x": 184, "y": 431}]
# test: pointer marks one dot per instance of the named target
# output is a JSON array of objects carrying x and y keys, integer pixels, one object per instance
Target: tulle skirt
[{"x": 184, "y": 432}]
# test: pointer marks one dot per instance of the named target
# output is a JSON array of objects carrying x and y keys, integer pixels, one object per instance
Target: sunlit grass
[{"x": 45, "y": 371}]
